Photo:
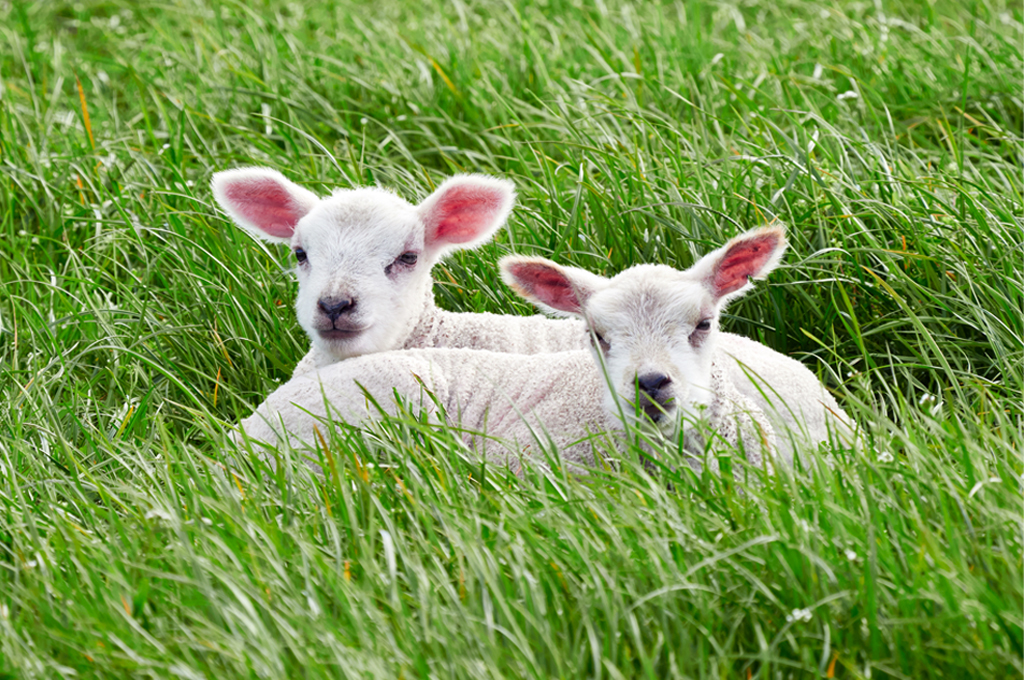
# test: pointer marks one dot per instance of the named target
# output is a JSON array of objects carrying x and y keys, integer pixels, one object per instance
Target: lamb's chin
[
  {"x": 340, "y": 335},
  {"x": 661, "y": 424},
  {"x": 345, "y": 345}
]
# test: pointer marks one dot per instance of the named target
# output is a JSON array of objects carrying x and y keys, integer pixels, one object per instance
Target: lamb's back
[
  {"x": 508, "y": 403},
  {"x": 508, "y": 333},
  {"x": 499, "y": 400},
  {"x": 796, "y": 402}
]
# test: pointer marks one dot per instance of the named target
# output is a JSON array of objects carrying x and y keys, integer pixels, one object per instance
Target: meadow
[{"x": 137, "y": 324}]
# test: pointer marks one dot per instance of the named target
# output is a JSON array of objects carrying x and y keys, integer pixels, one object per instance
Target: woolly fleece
[
  {"x": 801, "y": 410},
  {"x": 512, "y": 399}
]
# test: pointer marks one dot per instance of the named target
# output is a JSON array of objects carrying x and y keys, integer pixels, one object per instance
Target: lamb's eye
[
  {"x": 700, "y": 332},
  {"x": 406, "y": 260},
  {"x": 601, "y": 342},
  {"x": 300, "y": 255}
]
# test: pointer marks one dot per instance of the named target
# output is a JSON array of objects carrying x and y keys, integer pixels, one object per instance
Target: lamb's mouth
[
  {"x": 340, "y": 333},
  {"x": 653, "y": 412},
  {"x": 656, "y": 412}
]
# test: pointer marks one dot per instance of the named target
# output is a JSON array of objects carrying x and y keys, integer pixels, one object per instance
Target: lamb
[
  {"x": 364, "y": 258},
  {"x": 659, "y": 327},
  {"x": 652, "y": 362}
]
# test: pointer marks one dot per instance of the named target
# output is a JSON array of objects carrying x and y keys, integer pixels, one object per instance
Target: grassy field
[{"x": 136, "y": 323}]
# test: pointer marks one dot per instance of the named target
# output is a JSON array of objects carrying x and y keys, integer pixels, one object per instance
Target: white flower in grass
[
  {"x": 799, "y": 615},
  {"x": 849, "y": 94},
  {"x": 931, "y": 402},
  {"x": 850, "y": 554},
  {"x": 885, "y": 457}
]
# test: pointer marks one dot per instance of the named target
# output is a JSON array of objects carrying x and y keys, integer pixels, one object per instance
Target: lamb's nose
[
  {"x": 652, "y": 383},
  {"x": 335, "y": 307}
]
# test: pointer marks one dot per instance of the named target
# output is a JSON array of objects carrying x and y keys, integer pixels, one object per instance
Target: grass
[{"x": 136, "y": 322}]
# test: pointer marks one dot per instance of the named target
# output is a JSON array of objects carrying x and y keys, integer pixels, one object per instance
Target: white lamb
[
  {"x": 653, "y": 315},
  {"x": 364, "y": 258},
  {"x": 653, "y": 359}
]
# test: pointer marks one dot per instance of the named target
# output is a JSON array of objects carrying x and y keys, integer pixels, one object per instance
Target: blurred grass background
[{"x": 135, "y": 321}]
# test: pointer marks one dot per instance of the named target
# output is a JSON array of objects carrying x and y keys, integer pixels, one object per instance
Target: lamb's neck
[{"x": 423, "y": 330}]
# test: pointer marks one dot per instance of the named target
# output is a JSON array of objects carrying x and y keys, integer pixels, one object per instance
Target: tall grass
[{"x": 135, "y": 322}]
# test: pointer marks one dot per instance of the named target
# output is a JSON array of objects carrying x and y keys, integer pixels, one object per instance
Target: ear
[
  {"x": 465, "y": 211},
  {"x": 262, "y": 201},
  {"x": 728, "y": 271},
  {"x": 557, "y": 289}
]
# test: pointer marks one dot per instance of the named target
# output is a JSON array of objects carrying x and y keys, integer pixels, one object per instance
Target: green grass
[{"x": 136, "y": 322}]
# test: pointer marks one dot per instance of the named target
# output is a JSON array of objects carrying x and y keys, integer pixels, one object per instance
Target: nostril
[
  {"x": 652, "y": 382},
  {"x": 335, "y": 307}
]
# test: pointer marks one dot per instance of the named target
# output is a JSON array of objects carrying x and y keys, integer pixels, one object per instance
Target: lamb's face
[
  {"x": 653, "y": 329},
  {"x": 362, "y": 271},
  {"x": 363, "y": 256}
]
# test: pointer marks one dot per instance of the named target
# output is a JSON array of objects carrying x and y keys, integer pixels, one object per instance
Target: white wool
[
  {"x": 802, "y": 411},
  {"x": 798, "y": 405},
  {"x": 504, "y": 403}
]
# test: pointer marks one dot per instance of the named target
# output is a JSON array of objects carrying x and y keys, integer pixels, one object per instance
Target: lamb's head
[
  {"x": 653, "y": 328},
  {"x": 363, "y": 255}
]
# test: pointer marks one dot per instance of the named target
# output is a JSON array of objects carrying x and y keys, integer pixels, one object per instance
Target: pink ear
[
  {"x": 262, "y": 201},
  {"x": 540, "y": 282},
  {"x": 466, "y": 210},
  {"x": 750, "y": 256}
]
